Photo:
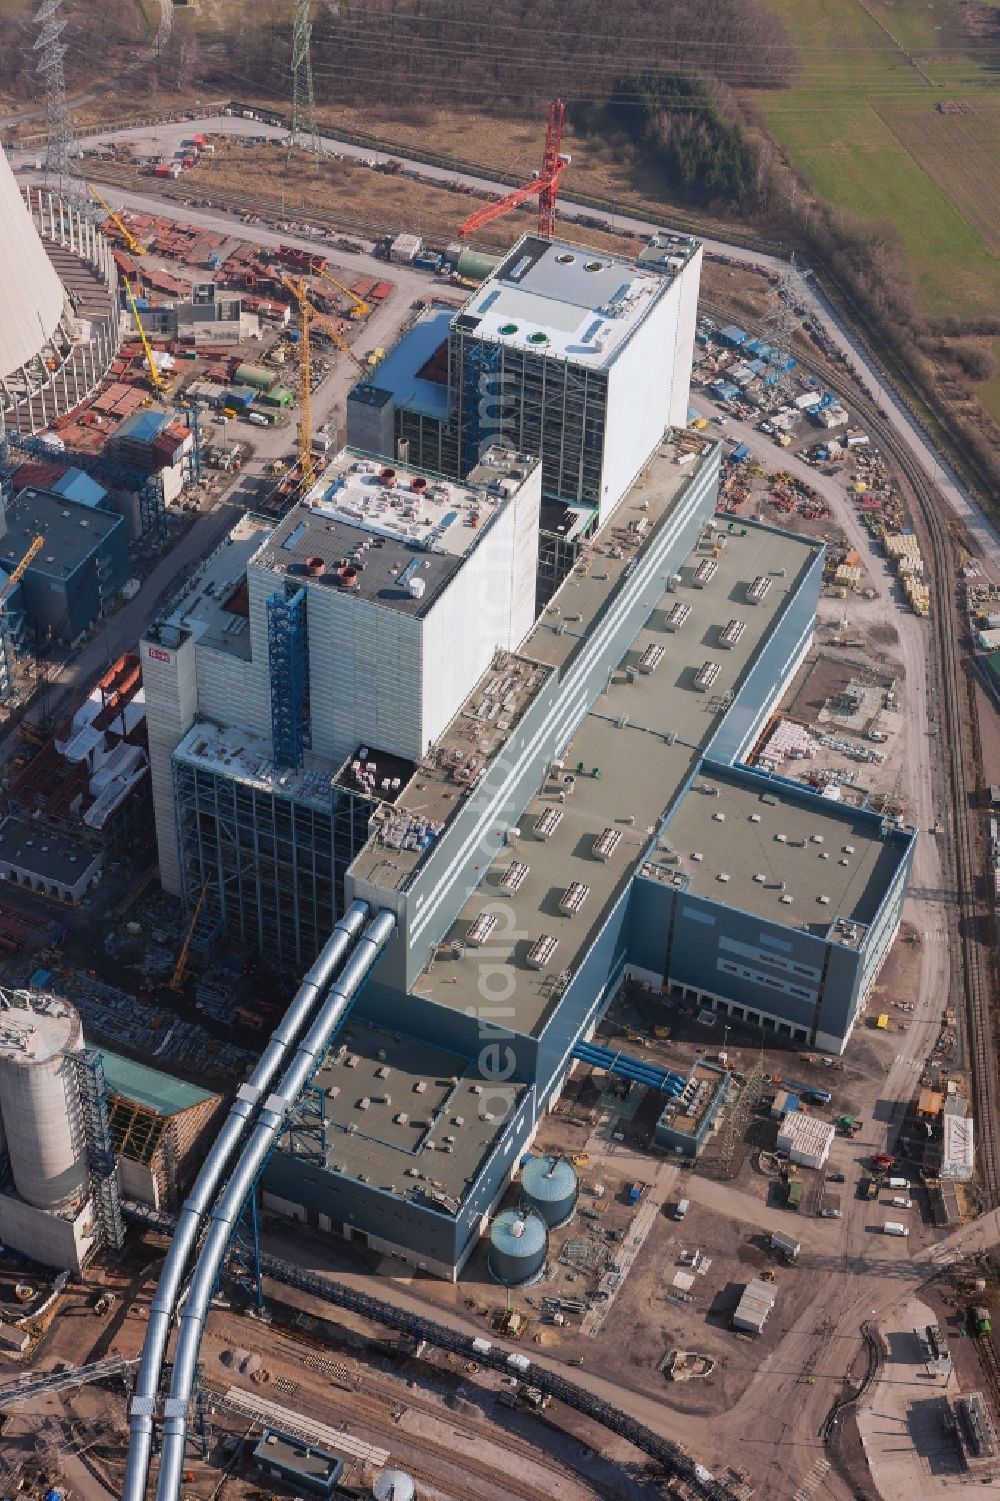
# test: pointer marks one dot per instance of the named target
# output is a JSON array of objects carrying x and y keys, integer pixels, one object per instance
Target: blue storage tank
[
  {"x": 549, "y": 1186},
  {"x": 519, "y": 1241}
]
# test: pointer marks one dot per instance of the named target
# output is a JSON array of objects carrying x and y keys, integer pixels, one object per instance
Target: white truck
[
  {"x": 894, "y": 1227},
  {"x": 899, "y": 1203}
]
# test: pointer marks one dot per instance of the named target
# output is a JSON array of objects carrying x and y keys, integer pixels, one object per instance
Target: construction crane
[
  {"x": 154, "y": 369},
  {"x": 35, "y": 547},
  {"x": 176, "y": 981},
  {"x": 328, "y": 326},
  {"x": 358, "y": 305},
  {"x": 544, "y": 185},
  {"x": 128, "y": 237},
  {"x": 296, "y": 285}
]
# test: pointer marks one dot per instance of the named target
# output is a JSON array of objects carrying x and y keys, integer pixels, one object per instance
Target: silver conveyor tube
[
  {"x": 264, "y": 1136},
  {"x": 205, "y": 1188}
]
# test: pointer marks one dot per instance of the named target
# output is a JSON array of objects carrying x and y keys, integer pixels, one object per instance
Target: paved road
[{"x": 931, "y": 461}]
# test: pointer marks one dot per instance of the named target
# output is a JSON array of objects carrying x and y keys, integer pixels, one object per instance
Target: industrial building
[
  {"x": 301, "y": 676},
  {"x": 76, "y": 578},
  {"x": 486, "y": 819},
  {"x": 158, "y": 1127},
  {"x": 583, "y": 358},
  {"x": 755, "y": 1306},
  {"x": 58, "y": 306},
  {"x": 805, "y": 1139},
  {"x": 301, "y": 1466},
  {"x": 687, "y": 1119},
  {"x": 358, "y": 704}
]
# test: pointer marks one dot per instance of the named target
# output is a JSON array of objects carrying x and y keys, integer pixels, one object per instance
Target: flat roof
[
  {"x": 631, "y": 755},
  {"x": 380, "y": 530},
  {"x": 403, "y": 1115},
  {"x": 773, "y": 843},
  {"x": 54, "y": 857},
  {"x": 71, "y": 530},
  {"x": 497, "y": 704},
  {"x": 155, "y": 1091},
  {"x": 297, "y": 1457},
  {"x": 554, "y": 297},
  {"x": 39, "y": 1033},
  {"x": 247, "y": 758},
  {"x": 212, "y": 605},
  {"x": 399, "y": 371}
]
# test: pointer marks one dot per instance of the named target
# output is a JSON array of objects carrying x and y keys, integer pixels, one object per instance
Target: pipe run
[
  {"x": 206, "y": 1186},
  {"x": 263, "y": 1139}
]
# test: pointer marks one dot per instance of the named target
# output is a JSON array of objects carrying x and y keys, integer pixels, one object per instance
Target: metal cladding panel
[
  {"x": 587, "y": 996},
  {"x": 640, "y": 398},
  {"x": 31, "y": 294},
  {"x": 420, "y": 1228},
  {"x": 169, "y": 678},
  {"x": 773, "y": 669}
]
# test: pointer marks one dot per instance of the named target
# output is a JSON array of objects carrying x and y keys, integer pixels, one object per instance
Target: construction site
[{"x": 479, "y": 1013}]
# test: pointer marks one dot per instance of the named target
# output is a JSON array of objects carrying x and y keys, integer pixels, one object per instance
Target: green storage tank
[
  {"x": 476, "y": 265},
  {"x": 256, "y": 376}
]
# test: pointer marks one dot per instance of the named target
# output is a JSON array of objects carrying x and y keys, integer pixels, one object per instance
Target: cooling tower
[
  {"x": 31, "y": 295},
  {"x": 40, "y": 1103}
]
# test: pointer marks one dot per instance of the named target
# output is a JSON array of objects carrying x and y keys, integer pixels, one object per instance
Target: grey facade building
[{"x": 75, "y": 580}]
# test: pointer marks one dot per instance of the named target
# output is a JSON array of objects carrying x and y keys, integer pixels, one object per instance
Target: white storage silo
[
  {"x": 39, "y": 1101},
  {"x": 394, "y": 1485}
]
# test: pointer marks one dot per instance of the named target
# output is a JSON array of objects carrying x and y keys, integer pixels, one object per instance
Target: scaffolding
[
  {"x": 288, "y": 666},
  {"x": 112, "y": 474},
  {"x": 93, "y": 1090},
  {"x": 539, "y": 404},
  {"x": 276, "y": 860}
]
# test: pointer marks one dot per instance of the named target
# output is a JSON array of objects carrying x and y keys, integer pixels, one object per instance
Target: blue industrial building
[{"x": 77, "y": 576}]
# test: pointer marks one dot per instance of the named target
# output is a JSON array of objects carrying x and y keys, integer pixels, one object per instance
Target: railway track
[
  {"x": 971, "y": 916},
  {"x": 973, "y": 919}
]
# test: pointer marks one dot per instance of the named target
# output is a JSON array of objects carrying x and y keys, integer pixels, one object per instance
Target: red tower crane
[{"x": 544, "y": 185}]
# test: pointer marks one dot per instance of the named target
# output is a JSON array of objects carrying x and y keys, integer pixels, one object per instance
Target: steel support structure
[
  {"x": 50, "y": 65},
  {"x": 114, "y": 475},
  {"x": 303, "y": 131},
  {"x": 93, "y": 1091},
  {"x": 275, "y": 862},
  {"x": 288, "y": 664}
]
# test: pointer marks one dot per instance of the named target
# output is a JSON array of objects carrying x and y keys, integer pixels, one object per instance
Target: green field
[{"x": 862, "y": 125}]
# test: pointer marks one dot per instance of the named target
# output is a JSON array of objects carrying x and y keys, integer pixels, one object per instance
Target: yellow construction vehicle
[
  {"x": 176, "y": 981},
  {"x": 154, "y": 369},
  {"x": 359, "y": 308},
  {"x": 128, "y": 237}
]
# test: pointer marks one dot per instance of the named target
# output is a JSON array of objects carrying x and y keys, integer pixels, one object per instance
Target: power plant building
[
  {"x": 569, "y": 806},
  {"x": 581, "y": 357}
]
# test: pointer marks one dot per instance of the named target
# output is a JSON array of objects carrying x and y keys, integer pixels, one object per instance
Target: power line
[
  {"x": 303, "y": 97},
  {"x": 50, "y": 65}
]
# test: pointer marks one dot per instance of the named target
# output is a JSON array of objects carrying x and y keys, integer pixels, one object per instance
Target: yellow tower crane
[
  {"x": 359, "y": 307},
  {"x": 35, "y": 547},
  {"x": 154, "y": 369},
  {"x": 127, "y": 236},
  {"x": 297, "y": 287},
  {"x": 176, "y": 981}
]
